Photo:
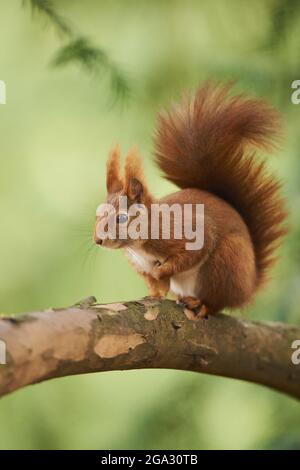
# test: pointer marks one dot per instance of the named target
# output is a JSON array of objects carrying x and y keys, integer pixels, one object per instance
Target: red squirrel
[{"x": 203, "y": 146}]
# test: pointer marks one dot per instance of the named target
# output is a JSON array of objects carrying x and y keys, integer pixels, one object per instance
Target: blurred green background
[{"x": 55, "y": 132}]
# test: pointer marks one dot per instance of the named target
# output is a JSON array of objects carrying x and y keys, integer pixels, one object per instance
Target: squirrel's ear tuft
[
  {"x": 114, "y": 181},
  {"x": 133, "y": 187},
  {"x": 134, "y": 190}
]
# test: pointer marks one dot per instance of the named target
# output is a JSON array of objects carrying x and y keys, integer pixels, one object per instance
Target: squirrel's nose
[{"x": 97, "y": 240}]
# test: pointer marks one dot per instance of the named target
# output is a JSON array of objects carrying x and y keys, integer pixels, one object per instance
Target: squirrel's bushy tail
[{"x": 202, "y": 144}]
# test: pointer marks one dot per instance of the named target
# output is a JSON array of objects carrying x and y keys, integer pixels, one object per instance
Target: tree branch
[{"x": 145, "y": 334}]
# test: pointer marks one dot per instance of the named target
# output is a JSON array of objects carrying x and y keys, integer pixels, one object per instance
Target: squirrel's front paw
[
  {"x": 157, "y": 270},
  {"x": 160, "y": 271}
]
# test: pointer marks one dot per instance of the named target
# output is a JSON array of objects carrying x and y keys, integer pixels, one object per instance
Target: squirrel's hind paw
[{"x": 194, "y": 308}]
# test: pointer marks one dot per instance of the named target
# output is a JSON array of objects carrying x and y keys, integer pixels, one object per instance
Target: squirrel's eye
[{"x": 122, "y": 218}]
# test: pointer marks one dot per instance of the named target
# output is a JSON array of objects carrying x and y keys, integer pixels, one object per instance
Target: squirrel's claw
[{"x": 193, "y": 308}]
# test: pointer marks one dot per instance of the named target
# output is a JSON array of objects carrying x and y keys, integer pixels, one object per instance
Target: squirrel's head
[{"x": 127, "y": 202}]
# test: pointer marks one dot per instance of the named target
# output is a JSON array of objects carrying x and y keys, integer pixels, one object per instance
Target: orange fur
[{"x": 157, "y": 288}]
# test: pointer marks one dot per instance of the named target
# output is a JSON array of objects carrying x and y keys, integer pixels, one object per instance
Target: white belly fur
[
  {"x": 184, "y": 284},
  {"x": 142, "y": 260}
]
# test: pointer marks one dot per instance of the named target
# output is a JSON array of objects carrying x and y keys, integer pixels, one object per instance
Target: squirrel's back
[{"x": 202, "y": 143}]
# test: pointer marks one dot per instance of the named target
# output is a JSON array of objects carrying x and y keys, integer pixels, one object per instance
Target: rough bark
[{"x": 145, "y": 334}]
